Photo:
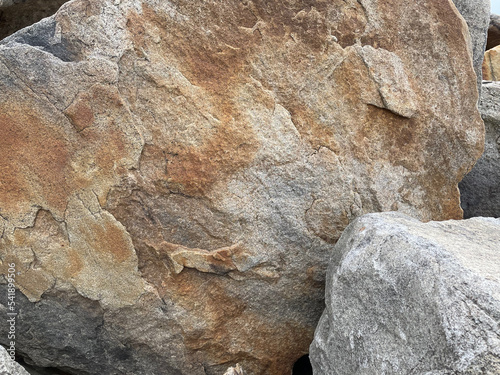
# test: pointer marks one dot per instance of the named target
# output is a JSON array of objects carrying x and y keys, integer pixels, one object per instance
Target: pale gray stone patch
[
  {"x": 412, "y": 298},
  {"x": 8, "y": 366}
]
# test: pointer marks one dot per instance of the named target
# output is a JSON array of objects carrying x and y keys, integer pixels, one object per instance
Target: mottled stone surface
[
  {"x": 480, "y": 189},
  {"x": 17, "y": 14},
  {"x": 491, "y": 64},
  {"x": 8, "y": 366},
  {"x": 176, "y": 173},
  {"x": 412, "y": 298},
  {"x": 477, "y": 15}
]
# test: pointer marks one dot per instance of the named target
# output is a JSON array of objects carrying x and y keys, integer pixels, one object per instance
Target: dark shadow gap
[
  {"x": 22, "y": 13},
  {"x": 302, "y": 366},
  {"x": 493, "y": 32},
  {"x": 35, "y": 370}
]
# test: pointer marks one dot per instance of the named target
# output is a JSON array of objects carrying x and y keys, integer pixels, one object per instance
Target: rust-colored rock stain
[
  {"x": 34, "y": 159},
  {"x": 107, "y": 238},
  {"x": 80, "y": 114},
  {"x": 218, "y": 66}
]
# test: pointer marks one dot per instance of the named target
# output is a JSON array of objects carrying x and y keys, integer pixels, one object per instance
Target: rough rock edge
[{"x": 8, "y": 366}]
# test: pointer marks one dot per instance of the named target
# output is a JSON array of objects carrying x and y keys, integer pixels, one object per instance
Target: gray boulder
[
  {"x": 477, "y": 15},
  {"x": 412, "y": 298},
  {"x": 8, "y": 366},
  {"x": 480, "y": 189}
]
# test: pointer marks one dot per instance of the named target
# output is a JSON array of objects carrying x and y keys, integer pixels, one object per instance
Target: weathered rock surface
[
  {"x": 491, "y": 65},
  {"x": 8, "y": 366},
  {"x": 480, "y": 189},
  {"x": 412, "y": 298},
  {"x": 493, "y": 32},
  {"x": 16, "y": 14},
  {"x": 176, "y": 173},
  {"x": 477, "y": 15}
]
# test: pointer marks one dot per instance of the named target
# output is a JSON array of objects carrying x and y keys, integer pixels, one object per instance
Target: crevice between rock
[{"x": 18, "y": 14}]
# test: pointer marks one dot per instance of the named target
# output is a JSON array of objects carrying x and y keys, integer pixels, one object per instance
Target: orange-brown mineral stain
[
  {"x": 74, "y": 264},
  {"x": 217, "y": 65},
  {"x": 97, "y": 114},
  {"x": 34, "y": 160},
  {"x": 80, "y": 114},
  {"x": 206, "y": 298},
  {"x": 109, "y": 154},
  {"x": 108, "y": 238},
  {"x": 196, "y": 169}
]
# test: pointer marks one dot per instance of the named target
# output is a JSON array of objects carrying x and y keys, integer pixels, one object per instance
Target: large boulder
[
  {"x": 480, "y": 189},
  {"x": 175, "y": 174},
  {"x": 412, "y": 298},
  {"x": 477, "y": 15}
]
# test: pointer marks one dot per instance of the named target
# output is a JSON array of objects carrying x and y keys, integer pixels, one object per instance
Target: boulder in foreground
[{"x": 412, "y": 298}]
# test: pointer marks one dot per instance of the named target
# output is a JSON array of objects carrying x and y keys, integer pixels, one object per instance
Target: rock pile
[{"x": 175, "y": 174}]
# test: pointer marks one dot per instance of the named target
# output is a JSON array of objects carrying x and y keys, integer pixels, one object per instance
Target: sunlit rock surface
[{"x": 175, "y": 174}]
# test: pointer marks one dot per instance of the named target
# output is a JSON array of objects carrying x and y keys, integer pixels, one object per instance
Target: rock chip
[
  {"x": 8, "y": 366},
  {"x": 412, "y": 298},
  {"x": 477, "y": 15},
  {"x": 480, "y": 189},
  {"x": 175, "y": 174}
]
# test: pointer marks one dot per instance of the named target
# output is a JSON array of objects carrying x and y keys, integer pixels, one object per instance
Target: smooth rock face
[
  {"x": 176, "y": 173},
  {"x": 477, "y": 15},
  {"x": 412, "y": 298},
  {"x": 480, "y": 189},
  {"x": 16, "y": 14},
  {"x": 493, "y": 32},
  {"x": 8, "y": 366}
]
